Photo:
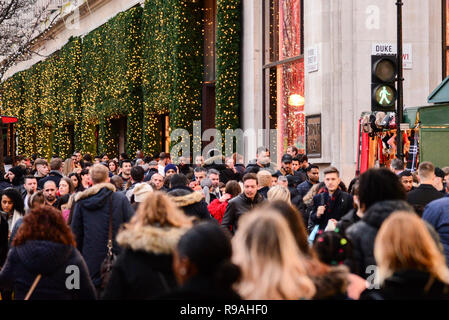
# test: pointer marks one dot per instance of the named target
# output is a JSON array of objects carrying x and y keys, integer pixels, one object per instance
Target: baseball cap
[{"x": 286, "y": 158}]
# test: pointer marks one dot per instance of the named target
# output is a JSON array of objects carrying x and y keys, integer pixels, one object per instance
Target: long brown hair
[
  {"x": 404, "y": 243},
  {"x": 44, "y": 223}
]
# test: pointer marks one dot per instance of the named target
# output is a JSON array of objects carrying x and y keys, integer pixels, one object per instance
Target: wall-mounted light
[{"x": 296, "y": 100}]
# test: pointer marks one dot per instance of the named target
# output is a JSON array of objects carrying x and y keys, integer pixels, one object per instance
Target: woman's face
[
  {"x": 112, "y": 167},
  {"x": 179, "y": 268},
  {"x": 74, "y": 181},
  {"x": 7, "y": 204},
  {"x": 63, "y": 187},
  {"x": 85, "y": 179}
]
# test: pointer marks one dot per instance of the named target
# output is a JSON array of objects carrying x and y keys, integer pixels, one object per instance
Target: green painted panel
[
  {"x": 410, "y": 116},
  {"x": 434, "y": 116},
  {"x": 434, "y": 146}
]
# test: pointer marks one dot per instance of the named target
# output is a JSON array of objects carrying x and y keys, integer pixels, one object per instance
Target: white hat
[{"x": 141, "y": 190}]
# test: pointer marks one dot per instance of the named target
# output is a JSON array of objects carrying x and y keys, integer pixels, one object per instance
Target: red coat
[{"x": 217, "y": 209}]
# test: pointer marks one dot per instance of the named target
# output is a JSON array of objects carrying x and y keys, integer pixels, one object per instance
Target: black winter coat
[
  {"x": 51, "y": 260},
  {"x": 264, "y": 192},
  {"x": 422, "y": 196},
  {"x": 237, "y": 207},
  {"x": 348, "y": 220},
  {"x": 409, "y": 285},
  {"x": 4, "y": 230},
  {"x": 363, "y": 233},
  {"x": 335, "y": 209},
  {"x": 191, "y": 202},
  {"x": 90, "y": 223},
  {"x": 144, "y": 269}
]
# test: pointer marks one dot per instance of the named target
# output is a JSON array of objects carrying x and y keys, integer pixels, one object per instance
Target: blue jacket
[
  {"x": 50, "y": 259},
  {"x": 303, "y": 188},
  {"x": 436, "y": 213},
  {"x": 90, "y": 224}
]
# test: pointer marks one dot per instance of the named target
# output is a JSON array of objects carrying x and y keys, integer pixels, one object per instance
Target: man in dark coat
[
  {"x": 191, "y": 202},
  {"x": 363, "y": 233},
  {"x": 55, "y": 173},
  {"x": 242, "y": 203},
  {"x": 262, "y": 161},
  {"x": 313, "y": 177},
  {"x": 331, "y": 203},
  {"x": 90, "y": 222},
  {"x": 436, "y": 214},
  {"x": 426, "y": 192}
]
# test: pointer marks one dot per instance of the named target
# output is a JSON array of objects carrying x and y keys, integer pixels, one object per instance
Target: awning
[
  {"x": 7, "y": 119},
  {"x": 441, "y": 93}
]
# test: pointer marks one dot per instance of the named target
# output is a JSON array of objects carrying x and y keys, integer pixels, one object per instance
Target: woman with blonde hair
[
  {"x": 279, "y": 193},
  {"x": 68, "y": 167},
  {"x": 410, "y": 265},
  {"x": 272, "y": 266},
  {"x": 144, "y": 268}
]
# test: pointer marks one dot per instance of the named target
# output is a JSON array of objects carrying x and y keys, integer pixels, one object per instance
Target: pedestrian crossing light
[{"x": 383, "y": 78}]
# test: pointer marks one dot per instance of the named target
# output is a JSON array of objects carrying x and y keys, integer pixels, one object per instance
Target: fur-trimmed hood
[
  {"x": 94, "y": 190},
  {"x": 184, "y": 198},
  {"x": 332, "y": 284},
  {"x": 151, "y": 239}
]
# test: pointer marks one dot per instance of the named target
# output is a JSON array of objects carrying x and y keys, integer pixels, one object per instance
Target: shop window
[{"x": 284, "y": 72}]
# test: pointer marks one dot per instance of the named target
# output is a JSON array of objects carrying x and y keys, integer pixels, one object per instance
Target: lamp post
[{"x": 400, "y": 105}]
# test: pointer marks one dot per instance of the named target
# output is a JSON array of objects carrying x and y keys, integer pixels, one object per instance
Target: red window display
[{"x": 284, "y": 72}]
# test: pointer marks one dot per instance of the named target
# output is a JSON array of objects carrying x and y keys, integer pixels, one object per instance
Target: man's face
[
  {"x": 215, "y": 178},
  {"x": 287, "y": 166},
  {"x": 314, "y": 175},
  {"x": 50, "y": 191},
  {"x": 30, "y": 185},
  {"x": 264, "y": 157},
  {"x": 446, "y": 179},
  {"x": 291, "y": 152},
  {"x": 199, "y": 161},
  {"x": 200, "y": 176},
  {"x": 105, "y": 158},
  {"x": 97, "y": 160},
  {"x": 331, "y": 180},
  {"x": 157, "y": 180},
  {"x": 295, "y": 165},
  {"x": 407, "y": 182},
  {"x": 304, "y": 164},
  {"x": 42, "y": 169},
  {"x": 170, "y": 173},
  {"x": 74, "y": 158},
  {"x": 126, "y": 168},
  {"x": 250, "y": 188}
]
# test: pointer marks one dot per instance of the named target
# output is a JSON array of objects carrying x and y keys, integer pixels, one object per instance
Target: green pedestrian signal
[{"x": 383, "y": 77}]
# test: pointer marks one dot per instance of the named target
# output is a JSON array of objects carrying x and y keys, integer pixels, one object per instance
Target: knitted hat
[
  {"x": 141, "y": 190},
  {"x": 170, "y": 166}
]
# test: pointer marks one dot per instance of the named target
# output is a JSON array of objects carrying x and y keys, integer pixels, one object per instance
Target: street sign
[
  {"x": 404, "y": 126},
  {"x": 312, "y": 59},
  {"x": 391, "y": 49}
]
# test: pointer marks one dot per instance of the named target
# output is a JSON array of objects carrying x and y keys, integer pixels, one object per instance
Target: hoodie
[{"x": 52, "y": 261}]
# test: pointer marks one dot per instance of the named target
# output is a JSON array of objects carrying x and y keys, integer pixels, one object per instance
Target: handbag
[{"x": 106, "y": 265}]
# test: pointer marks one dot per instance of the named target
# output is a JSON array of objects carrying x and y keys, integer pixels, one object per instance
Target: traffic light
[{"x": 383, "y": 77}]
